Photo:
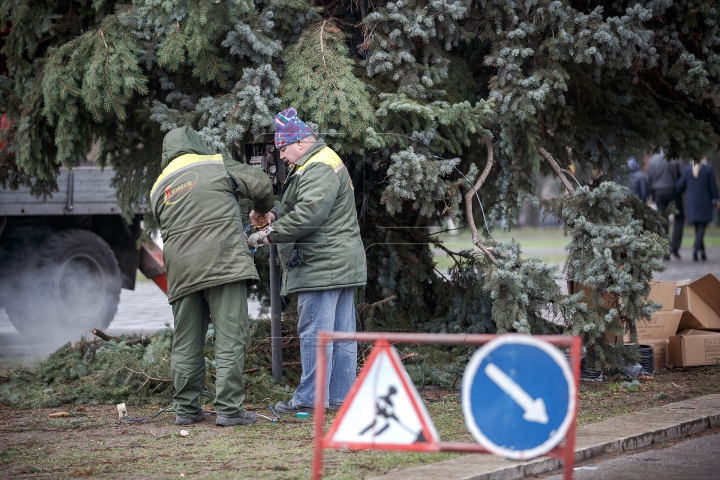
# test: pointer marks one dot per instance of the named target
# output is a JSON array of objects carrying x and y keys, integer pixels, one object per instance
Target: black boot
[
  {"x": 695, "y": 256},
  {"x": 702, "y": 256}
]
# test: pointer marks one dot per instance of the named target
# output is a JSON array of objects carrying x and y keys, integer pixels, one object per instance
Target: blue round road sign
[{"x": 518, "y": 396}]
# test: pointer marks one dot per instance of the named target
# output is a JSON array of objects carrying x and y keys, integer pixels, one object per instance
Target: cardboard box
[
  {"x": 664, "y": 294},
  {"x": 660, "y": 292},
  {"x": 701, "y": 298},
  {"x": 575, "y": 287},
  {"x": 663, "y": 325},
  {"x": 694, "y": 347},
  {"x": 660, "y": 349}
]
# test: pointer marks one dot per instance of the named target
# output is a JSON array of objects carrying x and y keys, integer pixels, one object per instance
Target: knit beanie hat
[{"x": 289, "y": 128}]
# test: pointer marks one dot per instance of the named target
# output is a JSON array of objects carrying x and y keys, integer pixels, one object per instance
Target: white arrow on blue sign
[{"x": 518, "y": 396}]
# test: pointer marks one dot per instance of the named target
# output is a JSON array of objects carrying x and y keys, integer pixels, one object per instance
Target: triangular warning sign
[{"x": 383, "y": 409}]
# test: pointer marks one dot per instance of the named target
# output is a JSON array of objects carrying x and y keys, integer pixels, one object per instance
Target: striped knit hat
[{"x": 289, "y": 128}]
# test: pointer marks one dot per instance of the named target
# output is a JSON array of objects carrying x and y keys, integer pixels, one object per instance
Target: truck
[{"x": 64, "y": 259}]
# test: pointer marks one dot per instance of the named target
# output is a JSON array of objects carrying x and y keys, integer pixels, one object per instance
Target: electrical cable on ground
[{"x": 145, "y": 420}]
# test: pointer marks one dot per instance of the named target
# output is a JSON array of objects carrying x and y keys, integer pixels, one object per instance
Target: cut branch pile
[{"x": 135, "y": 370}]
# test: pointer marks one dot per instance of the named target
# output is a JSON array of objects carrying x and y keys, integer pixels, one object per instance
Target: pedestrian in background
[
  {"x": 195, "y": 200},
  {"x": 662, "y": 177},
  {"x": 322, "y": 256},
  {"x": 702, "y": 196},
  {"x": 638, "y": 182}
]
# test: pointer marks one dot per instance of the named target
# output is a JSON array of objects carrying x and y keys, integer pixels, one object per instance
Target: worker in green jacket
[
  {"x": 322, "y": 255},
  {"x": 195, "y": 200}
]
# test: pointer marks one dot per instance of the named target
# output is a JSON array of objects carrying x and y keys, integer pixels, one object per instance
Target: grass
[
  {"x": 93, "y": 442},
  {"x": 109, "y": 448},
  {"x": 712, "y": 236}
]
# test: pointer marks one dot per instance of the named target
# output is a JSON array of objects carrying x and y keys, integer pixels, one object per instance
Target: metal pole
[
  {"x": 320, "y": 378},
  {"x": 439, "y": 338},
  {"x": 569, "y": 461},
  {"x": 275, "y": 326}
]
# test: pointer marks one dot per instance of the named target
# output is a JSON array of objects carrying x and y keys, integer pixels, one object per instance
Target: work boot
[
  {"x": 180, "y": 420},
  {"x": 290, "y": 407},
  {"x": 334, "y": 407},
  {"x": 245, "y": 418}
]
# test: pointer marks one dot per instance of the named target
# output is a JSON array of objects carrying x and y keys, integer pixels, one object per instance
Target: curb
[{"x": 642, "y": 429}]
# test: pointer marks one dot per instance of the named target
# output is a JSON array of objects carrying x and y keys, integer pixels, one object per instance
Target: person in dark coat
[
  {"x": 702, "y": 196},
  {"x": 637, "y": 181},
  {"x": 662, "y": 177}
]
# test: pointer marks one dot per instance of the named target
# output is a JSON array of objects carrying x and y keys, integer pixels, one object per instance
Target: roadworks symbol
[{"x": 383, "y": 409}]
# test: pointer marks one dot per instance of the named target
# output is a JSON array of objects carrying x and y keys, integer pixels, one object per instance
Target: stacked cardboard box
[
  {"x": 664, "y": 323},
  {"x": 686, "y": 329},
  {"x": 697, "y": 345}
]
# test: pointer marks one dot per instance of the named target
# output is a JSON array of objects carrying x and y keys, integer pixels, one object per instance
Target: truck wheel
[{"x": 77, "y": 286}]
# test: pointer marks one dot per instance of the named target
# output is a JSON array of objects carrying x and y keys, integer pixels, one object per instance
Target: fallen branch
[
  {"x": 376, "y": 304},
  {"x": 108, "y": 338},
  {"x": 142, "y": 341},
  {"x": 257, "y": 369},
  {"x": 147, "y": 378},
  {"x": 469, "y": 199},
  {"x": 100, "y": 334},
  {"x": 558, "y": 170}
]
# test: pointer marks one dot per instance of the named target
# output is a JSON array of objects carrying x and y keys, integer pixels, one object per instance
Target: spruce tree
[{"x": 438, "y": 107}]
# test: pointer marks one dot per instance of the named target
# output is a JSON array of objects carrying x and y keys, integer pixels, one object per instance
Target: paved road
[
  {"x": 695, "y": 459},
  {"x": 144, "y": 309}
]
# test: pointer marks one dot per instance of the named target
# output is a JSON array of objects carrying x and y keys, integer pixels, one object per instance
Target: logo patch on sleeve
[{"x": 179, "y": 189}]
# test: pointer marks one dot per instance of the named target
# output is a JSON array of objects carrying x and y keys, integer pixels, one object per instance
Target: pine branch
[
  {"x": 320, "y": 82},
  {"x": 210, "y": 61},
  {"x": 322, "y": 47},
  {"x": 65, "y": 85},
  {"x": 372, "y": 306},
  {"x": 556, "y": 167},
  {"x": 172, "y": 50},
  {"x": 469, "y": 196}
]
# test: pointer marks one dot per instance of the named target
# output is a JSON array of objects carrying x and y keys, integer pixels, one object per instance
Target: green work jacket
[
  {"x": 317, "y": 219},
  {"x": 195, "y": 200}
]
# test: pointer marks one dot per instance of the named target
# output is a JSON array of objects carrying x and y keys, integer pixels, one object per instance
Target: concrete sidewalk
[{"x": 626, "y": 432}]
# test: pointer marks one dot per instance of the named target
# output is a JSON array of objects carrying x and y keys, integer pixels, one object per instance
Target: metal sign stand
[{"x": 565, "y": 452}]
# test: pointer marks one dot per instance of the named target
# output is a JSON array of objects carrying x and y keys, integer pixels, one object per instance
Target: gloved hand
[{"x": 259, "y": 238}]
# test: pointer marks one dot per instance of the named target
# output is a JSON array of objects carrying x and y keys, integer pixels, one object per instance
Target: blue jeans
[{"x": 329, "y": 310}]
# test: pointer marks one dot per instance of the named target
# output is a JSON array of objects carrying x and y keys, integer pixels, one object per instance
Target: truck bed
[{"x": 83, "y": 190}]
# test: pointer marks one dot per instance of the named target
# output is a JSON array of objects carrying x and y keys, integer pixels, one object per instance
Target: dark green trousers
[{"x": 227, "y": 306}]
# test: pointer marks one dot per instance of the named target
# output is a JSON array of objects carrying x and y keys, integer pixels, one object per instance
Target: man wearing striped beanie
[{"x": 321, "y": 253}]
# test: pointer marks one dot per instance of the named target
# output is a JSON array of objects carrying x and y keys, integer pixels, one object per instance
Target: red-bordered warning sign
[
  {"x": 367, "y": 419},
  {"x": 383, "y": 409}
]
